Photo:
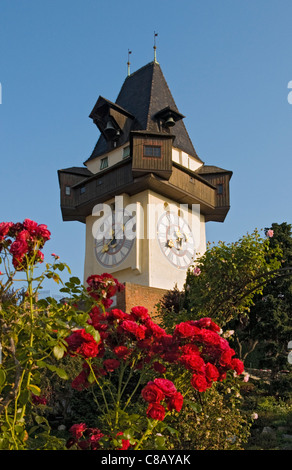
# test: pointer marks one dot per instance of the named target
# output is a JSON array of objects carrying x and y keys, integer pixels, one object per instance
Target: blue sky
[{"x": 227, "y": 63}]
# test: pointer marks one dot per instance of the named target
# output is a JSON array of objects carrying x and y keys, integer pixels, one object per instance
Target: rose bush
[
  {"x": 31, "y": 333},
  {"x": 140, "y": 375},
  {"x": 133, "y": 345}
]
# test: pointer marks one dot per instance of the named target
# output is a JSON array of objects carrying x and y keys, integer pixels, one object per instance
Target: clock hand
[
  {"x": 106, "y": 246},
  {"x": 113, "y": 242}
]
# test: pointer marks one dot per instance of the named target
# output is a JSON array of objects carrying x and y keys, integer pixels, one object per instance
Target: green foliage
[
  {"x": 263, "y": 336},
  {"x": 231, "y": 275},
  {"x": 32, "y": 337},
  {"x": 213, "y": 420}
]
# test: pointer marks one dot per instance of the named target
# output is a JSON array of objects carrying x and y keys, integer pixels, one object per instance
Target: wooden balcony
[{"x": 183, "y": 186}]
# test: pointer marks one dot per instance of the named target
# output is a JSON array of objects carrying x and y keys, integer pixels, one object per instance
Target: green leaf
[
  {"x": 91, "y": 378},
  {"x": 196, "y": 407},
  {"x": 90, "y": 329},
  {"x": 2, "y": 377},
  {"x": 56, "y": 278},
  {"x": 172, "y": 430},
  {"x": 40, "y": 419},
  {"x": 58, "y": 352},
  {"x": 75, "y": 280},
  {"x": 24, "y": 397},
  {"x": 62, "y": 373},
  {"x": 65, "y": 289},
  {"x": 34, "y": 389},
  {"x": 160, "y": 442}
]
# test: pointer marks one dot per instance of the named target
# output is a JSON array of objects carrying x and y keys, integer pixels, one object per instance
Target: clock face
[
  {"x": 113, "y": 248},
  {"x": 176, "y": 240}
]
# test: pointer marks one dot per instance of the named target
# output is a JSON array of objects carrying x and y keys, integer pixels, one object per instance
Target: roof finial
[
  {"x": 128, "y": 63},
  {"x": 154, "y": 47}
]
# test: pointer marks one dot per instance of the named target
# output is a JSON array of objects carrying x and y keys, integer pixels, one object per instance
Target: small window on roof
[
  {"x": 82, "y": 189},
  {"x": 103, "y": 163},
  {"x": 126, "y": 151},
  {"x": 152, "y": 151},
  {"x": 67, "y": 190}
]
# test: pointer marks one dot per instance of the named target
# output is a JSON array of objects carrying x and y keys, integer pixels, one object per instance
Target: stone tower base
[{"x": 135, "y": 294}]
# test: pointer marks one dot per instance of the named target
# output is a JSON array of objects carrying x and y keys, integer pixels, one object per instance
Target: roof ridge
[
  {"x": 130, "y": 76},
  {"x": 150, "y": 97}
]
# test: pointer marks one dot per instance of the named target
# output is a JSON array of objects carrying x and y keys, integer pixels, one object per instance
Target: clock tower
[{"x": 144, "y": 194}]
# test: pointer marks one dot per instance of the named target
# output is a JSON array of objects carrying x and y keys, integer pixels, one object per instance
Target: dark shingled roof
[
  {"x": 211, "y": 169},
  {"x": 76, "y": 170},
  {"x": 143, "y": 94}
]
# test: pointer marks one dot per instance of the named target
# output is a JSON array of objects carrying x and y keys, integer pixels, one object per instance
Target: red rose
[
  {"x": 199, "y": 382},
  {"x": 167, "y": 386},
  {"x": 190, "y": 349},
  {"x": 151, "y": 393},
  {"x": 193, "y": 362},
  {"x": 186, "y": 330},
  {"x": 237, "y": 365},
  {"x": 4, "y": 229},
  {"x": 140, "y": 313},
  {"x": 125, "y": 444},
  {"x": 102, "y": 287},
  {"x": 40, "y": 256},
  {"x": 80, "y": 382},
  {"x": 77, "y": 430},
  {"x": 211, "y": 372},
  {"x": 39, "y": 400},
  {"x": 132, "y": 327},
  {"x": 94, "y": 437},
  {"x": 207, "y": 323},
  {"x": 171, "y": 355},
  {"x": 223, "y": 343},
  {"x": 210, "y": 337},
  {"x": 82, "y": 343},
  {"x": 89, "y": 349},
  {"x": 43, "y": 232},
  {"x": 175, "y": 402},
  {"x": 155, "y": 329},
  {"x": 111, "y": 364},
  {"x": 106, "y": 302},
  {"x": 226, "y": 357},
  {"x": 118, "y": 314},
  {"x": 155, "y": 411},
  {"x": 122, "y": 352},
  {"x": 159, "y": 367},
  {"x": 30, "y": 226},
  {"x": 18, "y": 248}
]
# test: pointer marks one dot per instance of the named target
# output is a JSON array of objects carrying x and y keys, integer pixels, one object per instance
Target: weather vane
[
  {"x": 129, "y": 63},
  {"x": 154, "y": 47}
]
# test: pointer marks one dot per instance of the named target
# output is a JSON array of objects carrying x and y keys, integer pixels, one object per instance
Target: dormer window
[
  {"x": 152, "y": 151},
  {"x": 126, "y": 151},
  {"x": 103, "y": 163}
]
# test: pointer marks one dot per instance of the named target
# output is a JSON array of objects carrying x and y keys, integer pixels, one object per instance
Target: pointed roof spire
[
  {"x": 154, "y": 47},
  {"x": 129, "y": 63},
  {"x": 145, "y": 94}
]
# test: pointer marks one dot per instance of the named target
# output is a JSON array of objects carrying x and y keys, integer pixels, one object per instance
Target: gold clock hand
[{"x": 105, "y": 248}]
